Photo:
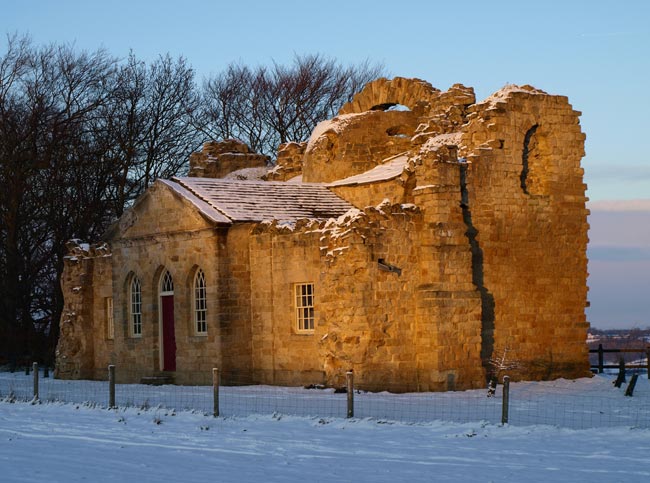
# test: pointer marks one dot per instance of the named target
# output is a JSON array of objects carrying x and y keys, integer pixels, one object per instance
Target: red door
[{"x": 169, "y": 339}]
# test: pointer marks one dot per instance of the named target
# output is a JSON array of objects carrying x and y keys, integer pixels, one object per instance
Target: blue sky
[{"x": 593, "y": 51}]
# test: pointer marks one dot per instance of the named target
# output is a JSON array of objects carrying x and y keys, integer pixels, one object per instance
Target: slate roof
[{"x": 228, "y": 201}]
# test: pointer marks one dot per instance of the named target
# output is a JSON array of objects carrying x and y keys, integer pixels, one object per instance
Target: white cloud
[{"x": 619, "y": 205}]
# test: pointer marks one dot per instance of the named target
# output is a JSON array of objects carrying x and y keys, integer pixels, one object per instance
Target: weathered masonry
[{"x": 410, "y": 245}]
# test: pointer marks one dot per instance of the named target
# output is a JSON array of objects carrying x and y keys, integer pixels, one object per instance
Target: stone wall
[
  {"x": 75, "y": 352},
  {"x": 288, "y": 163},
  {"x": 476, "y": 248},
  {"x": 217, "y": 159},
  {"x": 526, "y": 200},
  {"x": 416, "y": 330},
  {"x": 354, "y": 143},
  {"x": 280, "y": 258},
  {"x": 235, "y": 301},
  {"x": 168, "y": 235}
]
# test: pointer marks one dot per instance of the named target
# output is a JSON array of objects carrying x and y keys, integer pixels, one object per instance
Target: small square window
[{"x": 304, "y": 304}]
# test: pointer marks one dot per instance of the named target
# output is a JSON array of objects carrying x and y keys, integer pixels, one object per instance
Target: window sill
[{"x": 304, "y": 332}]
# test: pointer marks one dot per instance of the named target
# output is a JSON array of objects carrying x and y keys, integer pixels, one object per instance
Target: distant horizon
[{"x": 619, "y": 264}]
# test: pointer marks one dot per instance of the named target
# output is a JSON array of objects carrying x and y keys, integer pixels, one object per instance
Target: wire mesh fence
[{"x": 579, "y": 404}]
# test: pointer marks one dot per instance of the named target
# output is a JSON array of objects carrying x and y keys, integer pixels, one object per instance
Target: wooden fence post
[
  {"x": 349, "y": 379},
  {"x": 215, "y": 391},
  {"x": 620, "y": 379},
  {"x": 111, "y": 386},
  {"x": 506, "y": 400},
  {"x": 600, "y": 359},
  {"x": 647, "y": 359},
  {"x": 630, "y": 387},
  {"x": 35, "y": 369}
]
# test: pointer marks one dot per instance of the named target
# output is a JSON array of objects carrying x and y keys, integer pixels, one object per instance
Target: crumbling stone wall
[
  {"x": 77, "y": 349},
  {"x": 416, "y": 327},
  {"x": 288, "y": 163},
  {"x": 527, "y": 202},
  {"x": 354, "y": 143},
  {"x": 479, "y": 247},
  {"x": 217, "y": 159}
]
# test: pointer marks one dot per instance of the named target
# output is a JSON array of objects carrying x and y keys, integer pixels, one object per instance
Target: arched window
[
  {"x": 200, "y": 304},
  {"x": 166, "y": 283},
  {"x": 135, "y": 307}
]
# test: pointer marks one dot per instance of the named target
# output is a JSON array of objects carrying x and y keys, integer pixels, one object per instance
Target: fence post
[
  {"x": 349, "y": 379},
  {"x": 35, "y": 369},
  {"x": 46, "y": 371},
  {"x": 647, "y": 359},
  {"x": 215, "y": 391},
  {"x": 630, "y": 387},
  {"x": 506, "y": 400},
  {"x": 111, "y": 386},
  {"x": 600, "y": 359},
  {"x": 620, "y": 379}
]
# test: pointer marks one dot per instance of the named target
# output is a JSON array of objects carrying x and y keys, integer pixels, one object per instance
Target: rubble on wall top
[
  {"x": 335, "y": 125},
  {"x": 442, "y": 140},
  {"x": 509, "y": 89},
  {"x": 78, "y": 249},
  {"x": 247, "y": 174},
  {"x": 391, "y": 168}
]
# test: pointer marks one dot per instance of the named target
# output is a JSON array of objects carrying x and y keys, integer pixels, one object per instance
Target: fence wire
[{"x": 581, "y": 404}]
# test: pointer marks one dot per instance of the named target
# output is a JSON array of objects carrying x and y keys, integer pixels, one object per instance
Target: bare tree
[
  {"x": 268, "y": 106},
  {"x": 148, "y": 133},
  {"x": 47, "y": 95}
]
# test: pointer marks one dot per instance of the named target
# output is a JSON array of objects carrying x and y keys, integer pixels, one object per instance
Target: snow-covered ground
[
  {"x": 59, "y": 442},
  {"x": 67, "y": 443}
]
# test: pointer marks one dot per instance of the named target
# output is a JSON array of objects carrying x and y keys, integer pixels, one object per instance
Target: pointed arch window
[
  {"x": 166, "y": 283},
  {"x": 135, "y": 307},
  {"x": 200, "y": 304}
]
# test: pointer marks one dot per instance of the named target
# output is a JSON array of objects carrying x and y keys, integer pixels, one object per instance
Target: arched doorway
[{"x": 167, "y": 334}]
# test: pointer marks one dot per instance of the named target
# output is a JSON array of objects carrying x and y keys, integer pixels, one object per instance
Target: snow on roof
[
  {"x": 390, "y": 169},
  {"x": 243, "y": 200},
  {"x": 204, "y": 208},
  {"x": 295, "y": 179}
]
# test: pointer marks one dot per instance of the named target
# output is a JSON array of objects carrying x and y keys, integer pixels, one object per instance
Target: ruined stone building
[{"x": 410, "y": 245}]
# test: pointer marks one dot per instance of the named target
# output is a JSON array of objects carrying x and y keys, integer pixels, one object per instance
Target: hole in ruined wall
[
  {"x": 536, "y": 160},
  {"x": 399, "y": 131},
  {"x": 390, "y": 106},
  {"x": 530, "y": 144},
  {"x": 453, "y": 152}
]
